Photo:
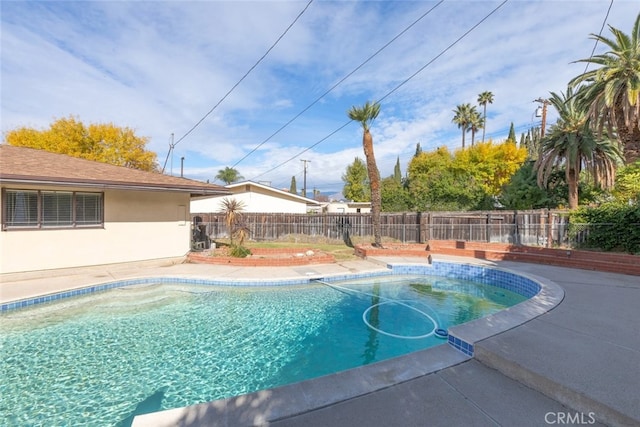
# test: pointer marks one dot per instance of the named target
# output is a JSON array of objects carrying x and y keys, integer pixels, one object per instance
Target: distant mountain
[
  {"x": 332, "y": 197},
  {"x": 335, "y": 197}
]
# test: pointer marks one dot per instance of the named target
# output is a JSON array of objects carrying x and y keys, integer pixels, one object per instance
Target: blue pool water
[{"x": 100, "y": 359}]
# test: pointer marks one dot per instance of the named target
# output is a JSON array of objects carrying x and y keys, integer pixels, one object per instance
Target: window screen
[
  {"x": 30, "y": 208},
  {"x": 21, "y": 208},
  {"x": 56, "y": 209},
  {"x": 88, "y": 208}
]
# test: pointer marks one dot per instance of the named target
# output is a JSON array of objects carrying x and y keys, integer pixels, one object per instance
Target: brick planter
[
  {"x": 265, "y": 257},
  {"x": 589, "y": 260},
  {"x": 392, "y": 249}
]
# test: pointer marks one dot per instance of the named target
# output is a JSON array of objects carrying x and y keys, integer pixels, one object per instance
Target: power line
[
  {"x": 392, "y": 90},
  {"x": 593, "y": 51},
  {"x": 518, "y": 128},
  {"x": 241, "y": 79},
  {"x": 338, "y": 83},
  {"x": 444, "y": 51},
  {"x": 410, "y": 151},
  {"x": 305, "y": 150},
  {"x": 506, "y": 130}
]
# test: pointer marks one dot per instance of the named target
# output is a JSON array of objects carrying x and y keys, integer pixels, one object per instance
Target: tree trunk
[
  {"x": 630, "y": 139},
  {"x": 572, "y": 183},
  {"x": 374, "y": 182},
  {"x": 484, "y": 125}
]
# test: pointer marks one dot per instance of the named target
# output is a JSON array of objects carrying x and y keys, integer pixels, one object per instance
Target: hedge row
[{"x": 612, "y": 226}]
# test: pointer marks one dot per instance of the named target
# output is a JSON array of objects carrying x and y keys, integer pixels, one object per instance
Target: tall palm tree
[
  {"x": 485, "y": 98},
  {"x": 462, "y": 115},
  {"x": 612, "y": 92},
  {"x": 228, "y": 175},
  {"x": 475, "y": 123},
  {"x": 572, "y": 144},
  {"x": 365, "y": 115}
]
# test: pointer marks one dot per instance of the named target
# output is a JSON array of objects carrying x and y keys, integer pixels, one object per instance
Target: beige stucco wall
[
  {"x": 340, "y": 207},
  {"x": 255, "y": 201},
  {"x": 138, "y": 225}
]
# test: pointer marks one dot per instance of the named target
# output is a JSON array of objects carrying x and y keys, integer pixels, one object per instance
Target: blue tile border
[
  {"x": 161, "y": 280},
  {"x": 476, "y": 273},
  {"x": 461, "y": 345}
]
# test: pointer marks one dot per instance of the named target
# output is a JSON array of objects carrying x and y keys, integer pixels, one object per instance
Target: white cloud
[{"x": 159, "y": 67}]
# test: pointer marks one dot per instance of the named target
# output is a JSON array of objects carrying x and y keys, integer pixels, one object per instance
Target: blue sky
[{"x": 159, "y": 67}]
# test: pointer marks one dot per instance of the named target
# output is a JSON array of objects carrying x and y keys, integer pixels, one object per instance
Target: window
[
  {"x": 21, "y": 209},
  {"x": 88, "y": 209},
  {"x": 56, "y": 209},
  {"x": 51, "y": 209}
]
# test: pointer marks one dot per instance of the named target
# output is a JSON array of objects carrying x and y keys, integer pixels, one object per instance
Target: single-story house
[
  {"x": 256, "y": 198},
  {"x": 59, "y": 211},
  {"x": 347, "y": 207}
]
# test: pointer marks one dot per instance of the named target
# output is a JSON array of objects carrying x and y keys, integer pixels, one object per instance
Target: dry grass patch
[{"x": 335, "y": 247}]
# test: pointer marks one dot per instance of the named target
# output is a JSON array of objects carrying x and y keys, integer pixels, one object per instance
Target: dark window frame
[{"x": 52, "y": 202}]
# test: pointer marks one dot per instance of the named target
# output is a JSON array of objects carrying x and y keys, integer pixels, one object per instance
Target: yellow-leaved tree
[
  {"x": 102, "y": 142},
  {"x": 491, "y": 165}
]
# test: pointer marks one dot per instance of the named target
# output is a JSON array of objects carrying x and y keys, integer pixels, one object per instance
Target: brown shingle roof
[{"x": 27, "y": 165}]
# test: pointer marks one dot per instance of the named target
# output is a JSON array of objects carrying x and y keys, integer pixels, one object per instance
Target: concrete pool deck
[{"x": 575, "y": 364}]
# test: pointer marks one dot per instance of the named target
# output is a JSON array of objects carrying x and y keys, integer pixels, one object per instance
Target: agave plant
[{"x": 232, "y": 209}]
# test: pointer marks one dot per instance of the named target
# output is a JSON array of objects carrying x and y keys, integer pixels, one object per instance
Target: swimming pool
[{"x": 167, "y": 346}]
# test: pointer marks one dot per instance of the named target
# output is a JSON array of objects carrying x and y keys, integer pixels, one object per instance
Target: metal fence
[
  {"x": 544, "y": 228},
  {"x": 541, "y": 228}
]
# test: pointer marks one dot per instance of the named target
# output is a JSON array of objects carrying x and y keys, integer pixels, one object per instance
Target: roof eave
[
  {"x": 272, "y": 189},
  {"x": 192, "y": 190}
]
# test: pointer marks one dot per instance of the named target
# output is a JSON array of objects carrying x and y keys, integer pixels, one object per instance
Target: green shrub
[
  {"x": 612, "y": 226},
  {"x": 239, "y": 251}
]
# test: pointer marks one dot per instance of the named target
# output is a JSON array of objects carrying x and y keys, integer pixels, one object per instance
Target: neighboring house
[
  {"x": 257, "y": 198},
  {"x": 59, "y": 211},
  {"x": 348, "y": 207}
]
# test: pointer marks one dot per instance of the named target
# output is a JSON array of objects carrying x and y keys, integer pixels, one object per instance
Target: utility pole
[
  {"x": 304, "y": 188},
  {"x": 169, "y": 154},
  {"x": 542, "y": 112}
]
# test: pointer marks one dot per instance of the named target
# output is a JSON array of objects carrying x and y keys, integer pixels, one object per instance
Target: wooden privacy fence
[{"x": 533, "y": 228}]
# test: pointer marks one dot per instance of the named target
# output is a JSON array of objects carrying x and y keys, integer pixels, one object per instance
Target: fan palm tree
[
  {"x": 485, "y": 98},
  {"x": 365, "y": 115},
  {"x": 475, "y": 124},
  {"x": 572, "y": 144},
  {"x": 612, "y": 92},
  {"x": 462, "y": 116},
  {"x": 228, "y": 175}
]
